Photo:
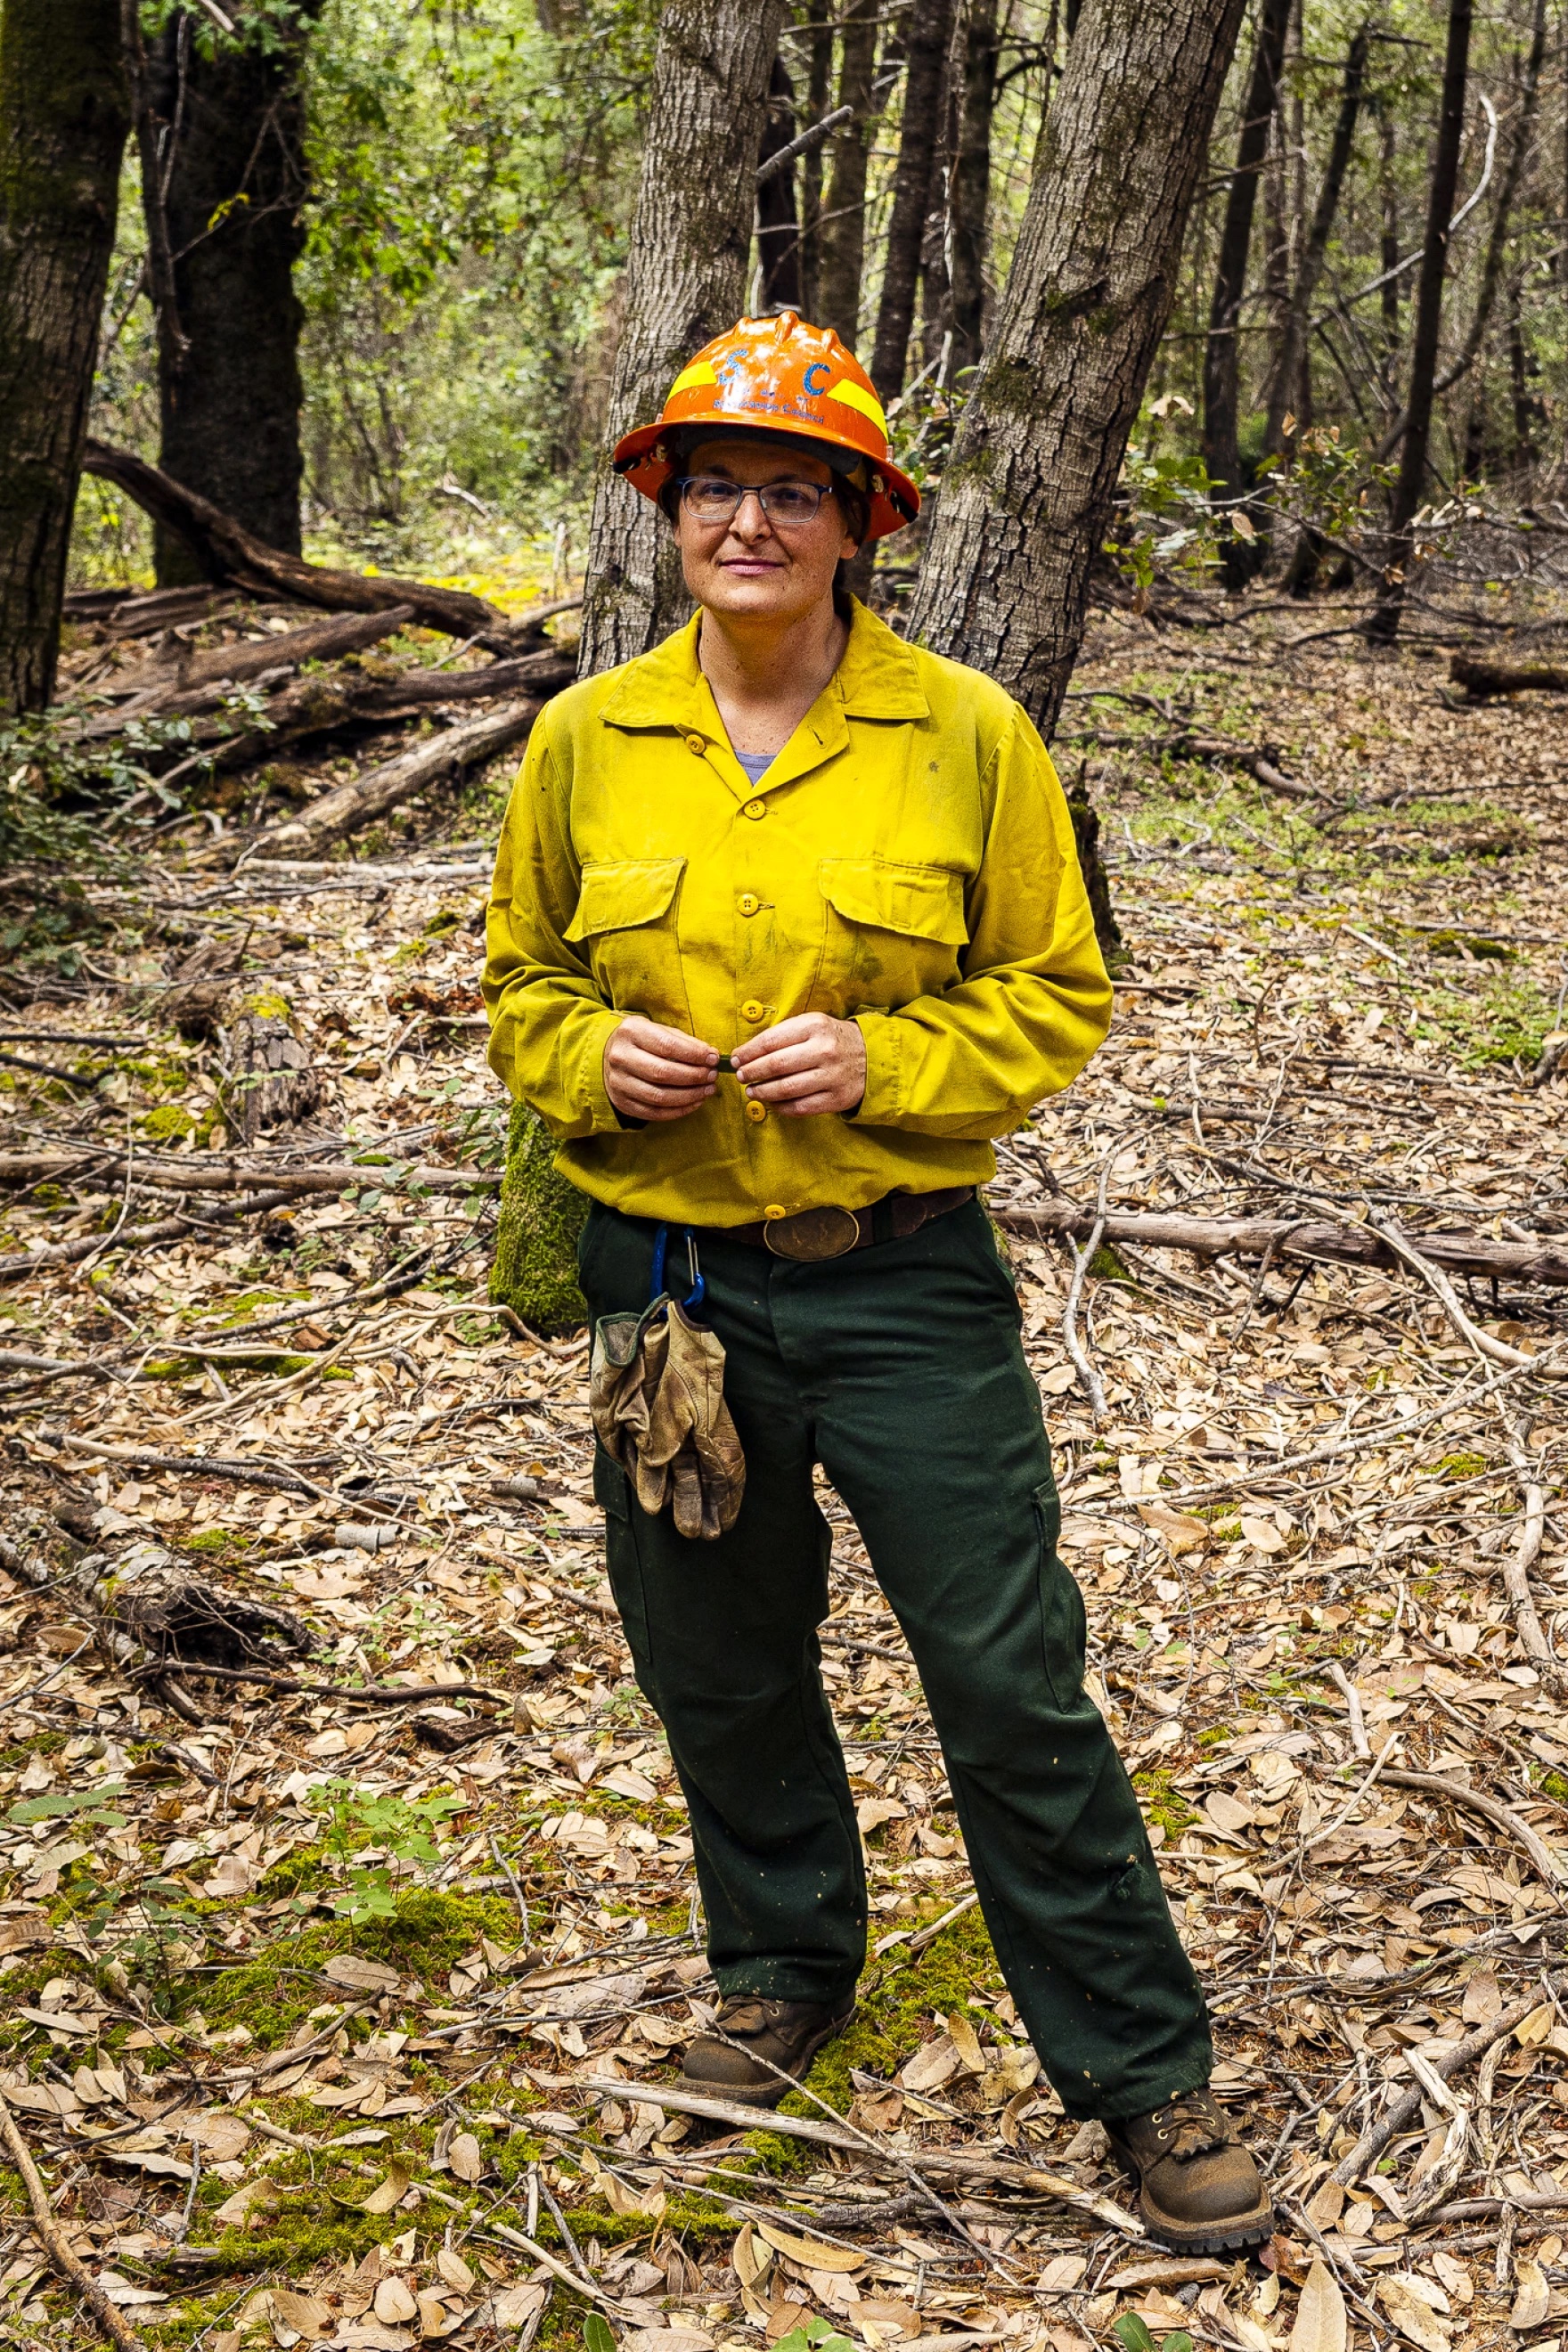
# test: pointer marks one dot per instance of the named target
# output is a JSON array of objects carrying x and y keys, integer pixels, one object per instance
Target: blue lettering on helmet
[{"x": 817, "y": 368}]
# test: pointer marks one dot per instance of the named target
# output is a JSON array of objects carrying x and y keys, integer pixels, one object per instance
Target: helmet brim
[{"x": 651, "y": 456}]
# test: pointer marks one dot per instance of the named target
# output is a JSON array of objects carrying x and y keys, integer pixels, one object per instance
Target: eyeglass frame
[{"x": 758, "y": 490}]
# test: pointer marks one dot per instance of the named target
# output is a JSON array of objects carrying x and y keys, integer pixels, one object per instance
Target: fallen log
[
  {"x": 348, "y": 807},
  {"x": 233, "y": 558},
  {"x": 1480, "y": 679},
  {"x": 353, "y": 698},
  {"x": 958, "y": 2162},
  {"x": 210, "y": 1172},
  {"x": 145, "y": 613},
  {"x": 167, "y": 1229},
  {"x": 181, "y": 689},
  {"x": 1283, "y": 1237}
]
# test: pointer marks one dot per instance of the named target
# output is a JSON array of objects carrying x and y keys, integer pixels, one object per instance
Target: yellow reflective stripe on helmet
[
  {"x": 852, "y": 395},
  {"x": 700, "y": 372}
]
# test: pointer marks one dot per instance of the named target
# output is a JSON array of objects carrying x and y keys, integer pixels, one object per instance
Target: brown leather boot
[
  {"x": 790, "y": 2032},
  {"x": 1199, "y": 2191}
]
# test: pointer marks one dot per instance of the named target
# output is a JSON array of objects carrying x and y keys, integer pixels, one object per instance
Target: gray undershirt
[{"x": 756, "y": 763}]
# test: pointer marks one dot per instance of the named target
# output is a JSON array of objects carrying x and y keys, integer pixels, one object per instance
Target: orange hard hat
[{"x": 778, "y": 375}]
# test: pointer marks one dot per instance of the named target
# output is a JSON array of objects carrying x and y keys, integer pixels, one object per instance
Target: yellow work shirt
[{"x": 906, "y": 862}]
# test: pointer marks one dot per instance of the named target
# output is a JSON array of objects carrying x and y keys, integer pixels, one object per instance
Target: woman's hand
[
  {"x": 807, "y": 1064},
  {"x": 651, "y": 1073}
]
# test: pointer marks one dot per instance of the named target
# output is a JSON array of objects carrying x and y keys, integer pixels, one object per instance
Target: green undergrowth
[{"x": 895, "y": 2006}]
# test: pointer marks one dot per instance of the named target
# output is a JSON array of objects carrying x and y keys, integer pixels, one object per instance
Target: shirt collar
[{"x": 877, "y": 678}]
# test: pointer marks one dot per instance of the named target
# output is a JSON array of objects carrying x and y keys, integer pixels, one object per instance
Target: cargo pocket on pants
[{"x": 1063, "y": 1624}]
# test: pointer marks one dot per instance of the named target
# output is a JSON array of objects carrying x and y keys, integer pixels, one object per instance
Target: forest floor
[{"x": 307, "y": 1989}]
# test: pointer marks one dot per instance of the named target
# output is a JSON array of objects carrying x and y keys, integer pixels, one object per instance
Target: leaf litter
[{"x": 308, "y": 1979}]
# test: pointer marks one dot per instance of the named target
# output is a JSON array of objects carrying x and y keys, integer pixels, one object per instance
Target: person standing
[{"x": 787, "y": 925}]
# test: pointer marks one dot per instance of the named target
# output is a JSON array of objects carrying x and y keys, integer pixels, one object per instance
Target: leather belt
[{"x": 811, "y": 1234}]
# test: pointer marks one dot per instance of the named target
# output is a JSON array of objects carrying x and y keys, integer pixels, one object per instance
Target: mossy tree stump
[{"x": 541, "y": 1214}]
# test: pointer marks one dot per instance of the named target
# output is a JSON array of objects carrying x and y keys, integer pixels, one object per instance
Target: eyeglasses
[{"x": 707, "y": 497}]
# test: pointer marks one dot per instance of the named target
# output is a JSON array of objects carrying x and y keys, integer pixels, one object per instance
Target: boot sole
[
  {"x": 1232, "y": 2237},
  {"x": 771, "y": 2093}
]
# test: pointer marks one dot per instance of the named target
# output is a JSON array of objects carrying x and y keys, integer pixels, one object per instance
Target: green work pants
[{"x": 899, "y": 1369}]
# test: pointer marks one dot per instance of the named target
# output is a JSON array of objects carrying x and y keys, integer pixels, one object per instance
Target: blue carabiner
[{"x": 699, "y": 1290}]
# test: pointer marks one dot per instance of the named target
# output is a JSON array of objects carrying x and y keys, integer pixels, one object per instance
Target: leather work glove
[{"x": 656, "y": 1390}]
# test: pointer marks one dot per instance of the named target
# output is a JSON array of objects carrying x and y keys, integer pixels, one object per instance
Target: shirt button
[
  {"x": 774, "y": 1212},
  {"x": 748, "y": 902},
  {"x": 755, "y": 808},
  {"x": 752, "y": 1009},
  {"x": 695, "y": 743},
  {"x": 756, "y": 1112}
]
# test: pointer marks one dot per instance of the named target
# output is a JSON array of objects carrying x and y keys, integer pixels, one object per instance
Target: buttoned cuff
[
  {"x": 888, "y": 1055},
  {"x": 592, "y": 1091}
]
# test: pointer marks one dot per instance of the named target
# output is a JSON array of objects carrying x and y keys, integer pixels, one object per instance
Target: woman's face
[{"x": 755, "y": 565}]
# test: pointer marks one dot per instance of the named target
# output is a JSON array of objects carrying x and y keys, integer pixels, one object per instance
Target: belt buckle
[{"x": 812, "y": 1236}]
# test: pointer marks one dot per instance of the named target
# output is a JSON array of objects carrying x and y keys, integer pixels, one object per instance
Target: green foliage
[
  {"x": 402, "y": 1827},
  {"x": 86, "y": 1807},
  {"x": 1164, "y": 519},
  {"x": 815, "y": 2335},
  {"x": 1133, "y": 2332},
  {"x": 55, "y": 791},
  {"x": 598, "y": 2333}
]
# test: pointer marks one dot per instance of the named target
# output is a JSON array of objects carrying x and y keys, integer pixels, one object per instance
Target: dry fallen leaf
[
  {"x": 303, "y": 2313},
  {"x": 1320, "y": 2321},
  {"x": 810, "y": 2252},
  {"x": 390, "y": 2192},
  {"x": 454, "y": 2270},
  {"x": 966, "y": 2042},
  {"x": 1412, "y": 2315},
  {"x": 467, "y": 2157},
  {"x": 1532, "y": 2296},
  {"x": 393, "y": 2301}
]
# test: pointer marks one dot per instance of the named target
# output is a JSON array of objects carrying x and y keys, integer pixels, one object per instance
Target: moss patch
[{"x": 541, "y": 1214}]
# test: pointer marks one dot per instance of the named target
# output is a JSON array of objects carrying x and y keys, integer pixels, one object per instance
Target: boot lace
[{"x": 1192, "y": 2126}]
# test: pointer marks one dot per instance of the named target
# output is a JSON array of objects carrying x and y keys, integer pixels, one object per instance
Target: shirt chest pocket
[
  {"x": 625, "y": 919},
  {"x": 894, "y": 932}
]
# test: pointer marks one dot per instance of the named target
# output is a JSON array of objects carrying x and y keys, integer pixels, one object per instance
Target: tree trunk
[
  {"x": 1291, "y": 374},
  {"x": 843, "y": 217},
  {"x": 1412, "y": 481},
  {"x": 686, "y": 282},
  {"x": 819, "y": 92},
  {"x": 541, "y": 1214},
  {"x": 969, "y": 197},
  {"x": 64, "y": 116},
  {"x": 1389, "y": 258},
  {"x": 1519, "y": 383},
  {"x": 778, "y": 224},
  {"x": 1497, "y": 243},
  {"x": 1026, "y": 496},
  {"x": 923, "y": 74},
  {"x": 224, "y": 136},
  {"x": 1222, "y": 358},
  {"x": 1276, "y": 235}
]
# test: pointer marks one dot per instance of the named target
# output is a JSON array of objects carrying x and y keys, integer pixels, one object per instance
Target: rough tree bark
[
  {"x": 1026, "y": 496},
  {"x": 64, "y": 116},
  {"x": 1412, "y": 481},
  {"x": 818, "y": 30},
  {"x": 843, "y": 214},
  {"x": 1222, "y": 357},
  {"x": 778, "y": 224},
  {"x": 969, "y": 192},
  {"x": 225, "y": 133},
  {"x": 926, "y": 50},
  {"x": 1285, "y": 392},
  {"x": 686, "y": 282}
]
